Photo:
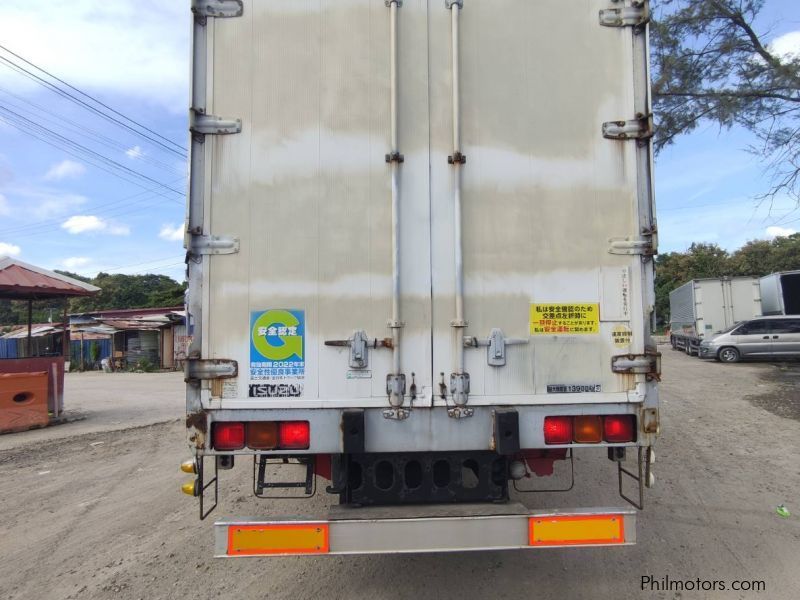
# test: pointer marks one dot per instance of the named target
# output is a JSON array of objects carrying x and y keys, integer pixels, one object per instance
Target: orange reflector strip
[
  {"x": 254, "y": 540},
  {"x": 576, "y": 530}
]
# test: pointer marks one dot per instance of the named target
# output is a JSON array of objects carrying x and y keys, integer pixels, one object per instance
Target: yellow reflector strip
[
  {"x": 252, "y": 540},
  {"x": 576, "y": 530}
]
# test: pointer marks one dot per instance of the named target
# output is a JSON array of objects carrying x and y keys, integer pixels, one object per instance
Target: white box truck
[
  {"x": 780, "y": 293},
  {"x": 703, "y": 307},
  {"x": 420, "y": 250}
]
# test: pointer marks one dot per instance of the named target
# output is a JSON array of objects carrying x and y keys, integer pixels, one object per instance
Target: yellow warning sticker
[
  {"x": 621, "y": 335},
  {"x": 565, "y": 319}
]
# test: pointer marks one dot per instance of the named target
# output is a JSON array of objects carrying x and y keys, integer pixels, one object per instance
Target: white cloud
[
  {"x": 76, "y": 262},
  {"x": 93, "y": 45},
  {"x": 787, "y": 46},
  {"x": 66, "y": 169},
  {"x": 134, "y": 153},
  {"x": 5, "y": 208},
  {"x": 43, "y": 203},
  {"x": 9, "y": 249},
  {"x": 775, "y": 231},
  {"x": 91, "y": 224},
  {"x": 170, "y": 233}
]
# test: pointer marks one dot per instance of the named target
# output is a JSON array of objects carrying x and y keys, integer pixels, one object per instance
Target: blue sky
[{"x": 61, "y": 208}]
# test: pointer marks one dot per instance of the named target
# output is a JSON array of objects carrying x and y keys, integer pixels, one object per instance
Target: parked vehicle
[
  {"x": 780, "y": 293},
  {"x": 420, "y": 264},
  {"x": 701, "y": 307},
  {"x": 765, "y": 337}
]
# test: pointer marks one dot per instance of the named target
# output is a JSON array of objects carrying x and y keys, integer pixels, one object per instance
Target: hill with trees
[{"x": 117, "y": 291}]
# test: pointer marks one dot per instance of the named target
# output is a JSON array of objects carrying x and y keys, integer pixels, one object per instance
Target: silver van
[{"x": 762, "y": 337}]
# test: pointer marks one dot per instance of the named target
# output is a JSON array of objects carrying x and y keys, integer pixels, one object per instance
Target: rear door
[
  {"x": 549, "y": 204},
  {"x": 305, "y": 188}
]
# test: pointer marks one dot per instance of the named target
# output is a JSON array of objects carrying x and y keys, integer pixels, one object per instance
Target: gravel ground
[{"x": 98, "y": 514}]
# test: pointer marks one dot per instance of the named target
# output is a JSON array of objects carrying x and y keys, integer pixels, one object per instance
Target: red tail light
[
  {"x": 558, "y": 430},
  {"x": 294, "y": 435},
  {"x": 619, "y": 428},
  {"x": 227, "y": 436}
]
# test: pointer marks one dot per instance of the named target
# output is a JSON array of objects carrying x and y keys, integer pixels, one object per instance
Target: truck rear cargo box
[
  {"x": 414, "y": 224},
  {"x": 705, "y": 306},
  {"x": 780, "y": 293}
]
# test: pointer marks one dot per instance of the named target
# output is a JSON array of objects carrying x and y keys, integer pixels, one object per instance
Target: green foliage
[
  {"x": 94, "y": 351},
  {"x": 712, "y": 64},
  {"x": 755, "y": 258},
  {"x": 117, "y": 292}
]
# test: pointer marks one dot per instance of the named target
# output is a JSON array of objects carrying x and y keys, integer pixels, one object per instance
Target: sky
[{"x": 87, "y": 194}]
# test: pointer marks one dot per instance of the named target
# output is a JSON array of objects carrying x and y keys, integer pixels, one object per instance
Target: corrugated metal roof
[{"x": 19, "y": 280}]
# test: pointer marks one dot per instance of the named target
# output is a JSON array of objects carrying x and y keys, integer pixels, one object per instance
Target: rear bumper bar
[{"x": 408, "y": 529}]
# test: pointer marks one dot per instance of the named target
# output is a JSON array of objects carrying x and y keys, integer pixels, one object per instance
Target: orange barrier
[{"x": 23, "y": 401}]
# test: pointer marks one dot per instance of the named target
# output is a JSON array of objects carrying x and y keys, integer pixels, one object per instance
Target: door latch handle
[{"x": 766, "y": 337}]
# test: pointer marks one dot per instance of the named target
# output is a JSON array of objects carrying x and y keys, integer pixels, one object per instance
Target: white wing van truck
[{"x": 420, "y": 243}]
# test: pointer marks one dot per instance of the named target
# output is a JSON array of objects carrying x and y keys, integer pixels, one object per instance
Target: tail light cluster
[
  {"x": 590, "y": 429},
  {"x": 261, "y": 435}
]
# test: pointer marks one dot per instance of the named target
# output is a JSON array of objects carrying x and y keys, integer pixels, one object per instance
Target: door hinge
[
  {"x": 217, "y": 8},
  {"x": 210, "y": 368},
  {"x": 213, "y": 244},
  {"x": 640, "y": 128},
  {"x": 648, "y": 364},
  {"x": 203, "y": 124},
  {"x": 645, "y": 245},
  {"x": 637, "y": 15}
]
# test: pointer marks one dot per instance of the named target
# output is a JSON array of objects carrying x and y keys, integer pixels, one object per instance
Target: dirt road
[{"x": 99, "y": 515}]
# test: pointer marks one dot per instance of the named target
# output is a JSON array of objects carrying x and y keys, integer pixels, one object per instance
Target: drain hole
[
  {"x": 354, "y": 476},
  {"x": 384, "y": 475},
  {"x": 413, "y": 474},
  {"x": 469, "y": 474},
  {"x": 22, "y": 397},
  {"x": 441, "y": 473}
]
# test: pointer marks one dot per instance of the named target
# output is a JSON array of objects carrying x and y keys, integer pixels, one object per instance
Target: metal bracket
[
  {"x": 203, "y": 124},
  {"x": 631, "y": 245},
  {"x": 637, "y": 15},
  {"x": 459, "y": 389},
  {"x": 213, "y": 244},
  {"x": 210, "y": 368},
  {"x": 396, "y": 390},
  {"x": 217, "y": 8},
  {"x": 495, "y": 346},
  {"x": 388, "y": 3},
  {"x": 359, "y": 344},
  {"x": 650, "y": 421},
  {"x": 395, "y": 157},
  {"x": 638, "y": 364},
  {"x": 639, "y": 128},
  {"x": 456, "y": 158},
  {"x": 449, "y": 3}
]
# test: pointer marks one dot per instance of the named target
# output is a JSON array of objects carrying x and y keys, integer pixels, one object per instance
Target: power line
[
  {"x": 73, "y": 98},
  {"x": 84, "y": 94},
  {"x": 84, "y": 149},
  {"x": 80, "y": 129}
]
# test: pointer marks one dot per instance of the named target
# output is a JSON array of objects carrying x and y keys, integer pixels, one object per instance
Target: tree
[
  {"x": 711, "y": 64},
  {"x": 676, "y": 268},
  {"x": 117, "y": 292}
]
